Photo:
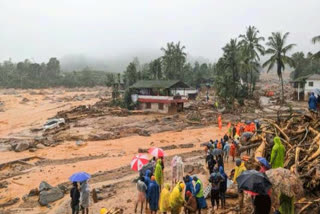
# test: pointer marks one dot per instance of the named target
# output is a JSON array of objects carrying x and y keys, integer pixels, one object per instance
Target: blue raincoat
[
  {"x": 147, "y": 181},
  {"x": 189, "y": 187},
  {"x": 153, "y": 195},
  {"x": 312, "y": 102}
]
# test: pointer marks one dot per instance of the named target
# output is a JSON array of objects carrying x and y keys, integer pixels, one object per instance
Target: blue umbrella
[
  {"x": 79, "y": 177},
  {"x": 264, "y": 162}
]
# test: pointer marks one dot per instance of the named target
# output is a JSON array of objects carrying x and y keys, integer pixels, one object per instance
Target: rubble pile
[{"x": 300, "y": 134}]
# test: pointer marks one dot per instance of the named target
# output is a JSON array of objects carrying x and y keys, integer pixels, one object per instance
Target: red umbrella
[
  {"x": 156, "y": 152},
  {"x": 138, "y": 161}
]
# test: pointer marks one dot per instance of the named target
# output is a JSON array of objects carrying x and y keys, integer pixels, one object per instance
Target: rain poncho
[
  {"x": 189, "y": 187},
  {"x": 176, "y": 200},
  {"x": 164, "y": 199},
  {"x": 153, "y": 195},
  {"x": 84, "y": 194},
  {"x": 312, "y": 102},
  {"x": 177, "y": 168},
  {"x": 158, "y": 173},
  {"x": 201, "y": 202},
  {"x": 147, "y": 181},
  {"x": 238, "y": 171},
  {"x": 277, "y": 154},
  {"x": 286, "y": 204}
]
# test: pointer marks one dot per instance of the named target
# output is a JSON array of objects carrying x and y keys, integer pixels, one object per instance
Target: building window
[
  {"x": 160, "y": 106},
  {"x": 148, "y": 105},
  {"x": 311, "y": 84}
]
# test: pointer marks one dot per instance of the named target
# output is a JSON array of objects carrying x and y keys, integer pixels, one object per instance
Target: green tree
[
  {"x": 131, "y": 74},
  {"x": 315, "y": 40},
  {"x": 155, "y": 69},
  {"x": 231, "y": 62},
  {"x": 251, "y": 51},
  {"x": 173, "y": 61},
  {"x": 278, "y": 51}
]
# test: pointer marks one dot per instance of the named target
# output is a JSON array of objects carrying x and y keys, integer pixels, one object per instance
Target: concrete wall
[{"x": 155, "y": 108}]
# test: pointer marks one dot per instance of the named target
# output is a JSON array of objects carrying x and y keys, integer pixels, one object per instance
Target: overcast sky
[{"x": 39, "y": 29}]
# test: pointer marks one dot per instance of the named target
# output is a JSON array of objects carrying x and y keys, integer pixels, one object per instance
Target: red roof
[{"x": 161, "y": 101}]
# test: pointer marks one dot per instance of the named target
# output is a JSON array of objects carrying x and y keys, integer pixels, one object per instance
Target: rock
[
  {"x": 5, "y": 147},
  {"x": 32, "y": 149},
  {"x": 80, "y": 143},
  {"x": 144, "y": 133},
  {"x": 44, "y": 186},
  {"x": 169, "y": 147},
  {"x": 40, "y": 146},
  {"x": 94, "y": 195},
  {"x": 100, "y": 198},
  {"x": 22, "y": 146},
  {"x": 187, "y": 145},
  {"x": 34, "y": 192},
  {"x": 140, "y": 150},
  {"x": 9, "y": 202},
  {"x": 4, "y": 184},
  {"x": 63, "y": 188},
  {"x": 51, "y": 195},
  {"x": 129, "y": 201}
]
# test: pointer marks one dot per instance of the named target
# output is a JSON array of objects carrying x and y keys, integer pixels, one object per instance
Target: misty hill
[{"x": 116, "y": 64}]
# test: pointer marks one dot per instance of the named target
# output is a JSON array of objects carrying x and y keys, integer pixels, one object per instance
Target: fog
[{"x": 113, "y": 32}]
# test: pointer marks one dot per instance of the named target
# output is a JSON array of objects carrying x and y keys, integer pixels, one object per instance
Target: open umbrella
[
  {"x": 79, "y": 177},
  {"x": 285, "y": 182},
  {"x": 216, "y": 152},
  {"x": 156, "y": 152},
  {"x": 264, "y": 162},
  {"x": 254, "y": 181},
  {"x": 138, "y": 161}
]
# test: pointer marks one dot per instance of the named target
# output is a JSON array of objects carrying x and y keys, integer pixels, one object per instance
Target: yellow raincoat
[
  {"x": 164, "y": 199},
  {"x": 176, "y": 199},
  {"x": 158, "y": 173},
  {"x": 238, "y": 171}
]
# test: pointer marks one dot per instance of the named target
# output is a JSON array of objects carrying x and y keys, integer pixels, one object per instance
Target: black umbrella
[{"x": 254, "y": 181}]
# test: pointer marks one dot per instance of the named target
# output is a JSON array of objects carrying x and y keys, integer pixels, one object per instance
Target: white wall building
[{"x": 311, "y": 85}]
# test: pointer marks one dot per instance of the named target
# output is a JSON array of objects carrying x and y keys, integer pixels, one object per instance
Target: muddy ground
[{"x": 109, "y": 137}]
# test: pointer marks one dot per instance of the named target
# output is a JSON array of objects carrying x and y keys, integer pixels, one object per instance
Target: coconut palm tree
[
  {"x": 314, "y": 41},
  {"x": 278, "y": 50},
  {"x": 251, "y": 48}
]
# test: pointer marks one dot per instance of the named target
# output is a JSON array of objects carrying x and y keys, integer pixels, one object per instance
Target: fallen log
[{"x": 244, "y": 148}]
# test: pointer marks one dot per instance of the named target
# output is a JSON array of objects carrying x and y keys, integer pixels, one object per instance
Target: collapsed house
[
  {"x": 305, "y": 85},
  {"x": 161, "y": 96}
]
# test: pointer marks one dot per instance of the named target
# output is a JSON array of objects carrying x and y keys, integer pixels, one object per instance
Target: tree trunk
[{"x": 282, "y": 90}]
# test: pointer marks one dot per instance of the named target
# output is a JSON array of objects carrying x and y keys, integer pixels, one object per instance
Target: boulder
[
  {"x": 40, "y": 146},
  {"x": 63, "y": 188},
  {"x": 32, "y": 149},
  {"x": 51, "y": 195},
  {"x": 34, "y": 192},
  {"x": 22, "y": 146},
  {"x": 44, "y": 186},
  {"x": 5, "y": 147}
]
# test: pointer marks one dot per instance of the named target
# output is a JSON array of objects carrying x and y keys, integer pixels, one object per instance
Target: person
[
  {"x": 84, "y": 197},
  {"x": 189, "y": 186},
  {"x": 215, "y": 180},
  {"x": 223, "y": 187},
  {"x": 162, "y": 163},
  {"x": 158, "y": 173},
  {"x": 153, "y": 195},
  {"x": 286, "y": 204},
  {"x": 153, "y": 162},
  {"x": 198, "y": 193},
  {"x": 226, "y": 150},
  {"x": 164, "y": 204},
  {"x": 234, "y": 130},
  {"x": 220, "y": 161},
  {"x": 233, "y": 150},
  {"x": 147, "y": 182},
  {"x": 277, "y": 153},
  {"x": 219, "y": 144},
  {"x": 225, "y": 137},
  {"x": 262, "y": 204},
  {"x": 191, "y": 205},
  {"x": 176, "y": 199},
  {"x": 220, "y": 122},
  {"x": 312, "y": 102},
  {"x": 75, "y": 196},
  {"x": 142, "y": 188},
  {"x": 238, "y": 169},
  {"x": 211, "y": 162},
  {"x": 231, "y": 174}
]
